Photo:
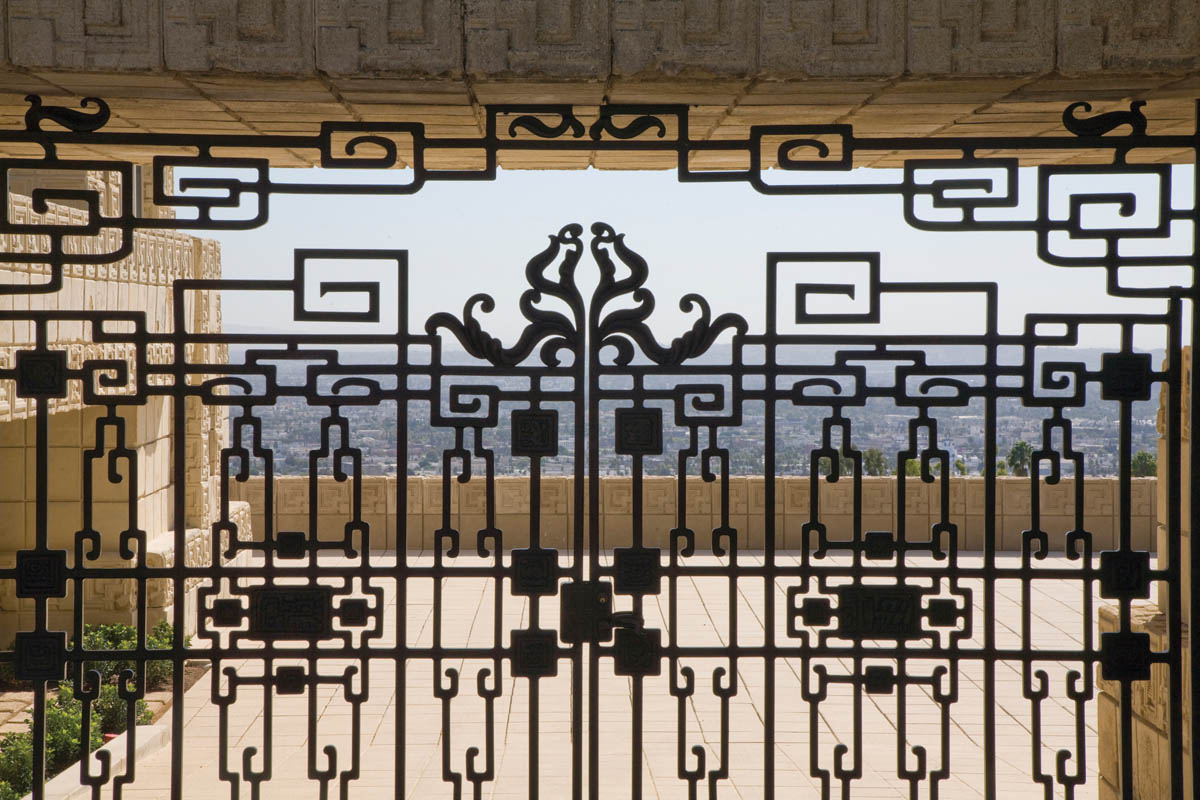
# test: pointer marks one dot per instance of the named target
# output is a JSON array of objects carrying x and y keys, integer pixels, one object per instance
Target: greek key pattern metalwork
[{"x": 851, "y": 613}]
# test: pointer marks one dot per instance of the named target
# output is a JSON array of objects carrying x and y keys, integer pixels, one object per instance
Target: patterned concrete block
[
  {"x": 260, "y": 36},
  {"x": 1016, "y": 36},
  {"x": 371, "y": 36},
  {"x": 668, "y": 37},
  {"x": 111, "y": 34},
  {"x": 823, "y": 38},
  {"x": 1093, "y": 35},
  {"x": 570, "y": 39}
]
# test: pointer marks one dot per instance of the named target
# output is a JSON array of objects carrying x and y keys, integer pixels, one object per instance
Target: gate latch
[{"x": 586, "y": 613}]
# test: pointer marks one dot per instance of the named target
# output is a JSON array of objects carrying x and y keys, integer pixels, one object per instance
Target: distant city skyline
[{"x": 291, "y": 426}]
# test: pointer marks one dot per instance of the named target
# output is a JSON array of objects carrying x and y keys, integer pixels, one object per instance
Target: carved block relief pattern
[
  {"x": 565, "y": 39},
  {"x": 271, "y": 36},
  {"x": 95, "y": 34},
  {"x": 720, "y": 37},
  {"x": 1002, "y": 36},
  {"x": 593, "y": 39},
  {"x": 1104, "y": 34},
  {"x": 402, "y": 36},
  {"x": 824, "y": 37}
]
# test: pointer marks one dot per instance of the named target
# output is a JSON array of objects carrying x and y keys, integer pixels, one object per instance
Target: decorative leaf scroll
[
  {"x": 552, "y": 329},
  {"x": 567, "y": 122},
  {"x": 555, "y": 331},
  {"x": 1103, "y": 123},
  {"x": 631, "y": 130},
  {"x": 69, "y": 118},
  {"x": 621, "y": 328}
]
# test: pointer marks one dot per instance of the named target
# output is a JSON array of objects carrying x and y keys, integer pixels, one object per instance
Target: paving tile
[{"x": 706, "y": 616}]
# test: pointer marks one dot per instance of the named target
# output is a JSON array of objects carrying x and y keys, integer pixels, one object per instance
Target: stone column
[
  {"x": 207, "y": 426},
  {"x": 1151, "y": 699},
  {"x": 1185, "y": 435}
]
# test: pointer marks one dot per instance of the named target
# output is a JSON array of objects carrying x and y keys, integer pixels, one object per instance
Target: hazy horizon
[{"x": 711, "y": 239}]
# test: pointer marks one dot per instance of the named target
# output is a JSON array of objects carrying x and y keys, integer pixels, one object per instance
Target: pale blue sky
[{"x": 464, "y": 238}]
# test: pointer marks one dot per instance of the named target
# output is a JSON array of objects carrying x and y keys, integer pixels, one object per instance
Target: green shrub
[
  {"x": 64, "y": 727},
  {"x": 1144, "y": 464},
  {"x": 110, "y": 711},
  {"x": 64, "y": 724},
  {"x": 113, "y": 637},
  {"x": 158, "y": 673},
  {"x": 64, "y": 712},
  {"x": 109, "y": 637},
  {"x": 16, "y": 765},
  {"x": 124, "y": 637}
]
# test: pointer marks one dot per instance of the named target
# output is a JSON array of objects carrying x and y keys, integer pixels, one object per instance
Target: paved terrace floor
[{"x": 1057, "y": 622}]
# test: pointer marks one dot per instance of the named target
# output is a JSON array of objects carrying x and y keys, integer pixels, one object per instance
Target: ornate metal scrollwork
[
  {"x": 883, "y": 610},
  {"x": 72, "y": 120},
  {"x": 553, "y": 330},
  {"x": 1103, "y": 123}
]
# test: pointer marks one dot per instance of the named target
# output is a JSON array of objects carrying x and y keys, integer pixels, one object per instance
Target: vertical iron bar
[
  {"x": 578, "y": 482},
  {"x": 635, "y": 717},
  {"x": 592, "y": 394},
  {"x": 400, "y": 570},
  {"x": 179, "y": 498},
  {"x": 41, "y": 542},
  {"x": 1125, "y": 499},
  {"x": 989, "y": 562},
  {"x": 535, "y": 541},
  {"x": 769, "y": 534},
  {"x": 1174, "y": 545},
  {"x": 1194, "y": 525},
  {"x": 1187, "y": 384}
]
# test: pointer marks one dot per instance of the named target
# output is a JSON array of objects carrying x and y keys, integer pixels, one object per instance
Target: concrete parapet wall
[{"x": 422, "y": 512}]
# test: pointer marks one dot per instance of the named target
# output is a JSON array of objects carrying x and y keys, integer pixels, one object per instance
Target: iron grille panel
[{"x": 299, "y": 597}]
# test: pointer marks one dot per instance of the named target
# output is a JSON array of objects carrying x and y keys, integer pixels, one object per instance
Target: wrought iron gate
[{"x": 874, "y": 613}]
